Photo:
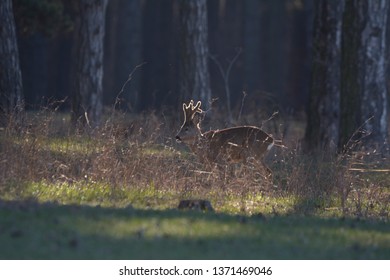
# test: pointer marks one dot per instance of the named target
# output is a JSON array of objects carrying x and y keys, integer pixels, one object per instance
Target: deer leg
[
  {"x": 267, "y": 170},
  {"x": 264, "y": 171}
]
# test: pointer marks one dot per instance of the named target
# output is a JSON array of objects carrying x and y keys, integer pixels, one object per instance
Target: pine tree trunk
[
  {"x": 374, "y": 95},
  {"x": 363, "y": 86},
  {"x": 323, "y": 116},
  {"x": 87, "y": 104},
  {"x": 11, "y": 95},
  {"x": 194, "y": 73}
]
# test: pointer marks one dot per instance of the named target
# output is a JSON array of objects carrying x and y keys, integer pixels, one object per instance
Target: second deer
[{"x": 235, "y": 144}]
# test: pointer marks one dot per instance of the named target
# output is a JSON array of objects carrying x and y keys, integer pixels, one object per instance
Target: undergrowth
[{"x": 134, "y": 160}]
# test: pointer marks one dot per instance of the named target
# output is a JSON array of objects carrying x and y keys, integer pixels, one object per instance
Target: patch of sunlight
[
  {"x": 252, "y": 204},
  {"x": 83, "y": 192},
  {"x": 59, "y": 145},
  {"x": 160, "y": 150},
  {"x": 71, "y": 145},
  {"x": 93, "y": 193}
]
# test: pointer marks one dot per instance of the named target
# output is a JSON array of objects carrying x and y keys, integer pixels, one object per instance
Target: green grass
[
  {"x": 94, "y": 221},
  {"x": 92, "y": 193},
  {"x": 51, "y": 231}
]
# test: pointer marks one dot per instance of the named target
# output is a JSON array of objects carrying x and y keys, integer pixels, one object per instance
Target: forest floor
[{"x": 113, "y": 193}]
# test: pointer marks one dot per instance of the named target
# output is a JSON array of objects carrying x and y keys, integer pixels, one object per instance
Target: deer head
[{"x": 190, "y": 130}]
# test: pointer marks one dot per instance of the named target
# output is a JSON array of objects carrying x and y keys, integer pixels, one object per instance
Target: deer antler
[{"x": 190, "y": 109}]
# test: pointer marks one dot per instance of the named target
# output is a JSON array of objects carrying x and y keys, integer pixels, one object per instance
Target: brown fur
[{"x": 235, "y": 144}]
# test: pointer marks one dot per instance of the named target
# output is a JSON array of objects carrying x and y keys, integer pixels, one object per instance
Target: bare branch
[{"x": 225, "y": 76}]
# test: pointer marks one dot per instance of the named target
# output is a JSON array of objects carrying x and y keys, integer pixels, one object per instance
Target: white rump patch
[{"x": 270, "y": 146}]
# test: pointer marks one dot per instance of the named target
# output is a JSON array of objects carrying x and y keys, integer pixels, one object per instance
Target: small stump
[{"x": 195, "y": 204}]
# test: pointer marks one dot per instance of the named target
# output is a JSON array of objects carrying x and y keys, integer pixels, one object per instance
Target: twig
[
  {"x": 127, "y": 81},
  {"x": 244, "y": 94},
  {"x": 359, "y": 129},
  {"x": 225, "y": 76},
  {"x": 369, "y": 170},
  {"x": 270, "y": 118}
]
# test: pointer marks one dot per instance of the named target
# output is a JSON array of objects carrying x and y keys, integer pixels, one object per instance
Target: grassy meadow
[{"x": 113, "y": 192}]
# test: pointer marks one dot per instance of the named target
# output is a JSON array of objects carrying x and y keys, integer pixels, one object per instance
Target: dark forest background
[
  {"x": 325, "y": 59},
  {"x": 273, "y": 38}
]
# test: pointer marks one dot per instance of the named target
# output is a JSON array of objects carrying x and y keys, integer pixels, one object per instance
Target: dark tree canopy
[
  {"x": 340, "y": 57},
  {"x": 49, "y": 17}
]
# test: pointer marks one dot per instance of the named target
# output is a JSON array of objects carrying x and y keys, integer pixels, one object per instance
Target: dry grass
[{"x": 135, "y": 160}]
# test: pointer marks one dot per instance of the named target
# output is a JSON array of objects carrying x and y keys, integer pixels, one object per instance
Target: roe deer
[{"x": 235, "y": 144}]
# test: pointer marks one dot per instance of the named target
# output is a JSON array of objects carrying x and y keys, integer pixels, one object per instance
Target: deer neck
[{"x": 198, "y": 141}]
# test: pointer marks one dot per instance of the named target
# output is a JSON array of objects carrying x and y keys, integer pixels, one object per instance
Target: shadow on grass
[{"x": 29, "y": 230}]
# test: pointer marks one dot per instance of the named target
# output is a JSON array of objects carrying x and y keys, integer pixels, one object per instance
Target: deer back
[{"x": 235, "y": 144}]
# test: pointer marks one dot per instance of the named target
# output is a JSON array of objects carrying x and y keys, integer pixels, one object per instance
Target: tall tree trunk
[
  {"x": 194, "y": 73},
  {"x": 88, "y": 81},
  {"x": 363, "y": 83},
  {"x": 323, "y": 115},
  {"x": 11, "y": 95}
]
